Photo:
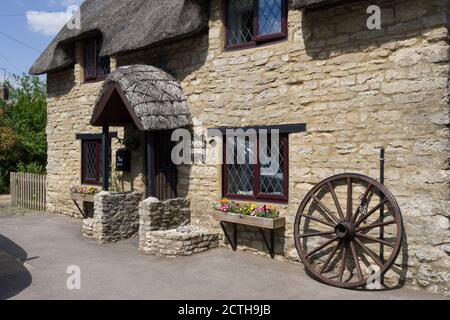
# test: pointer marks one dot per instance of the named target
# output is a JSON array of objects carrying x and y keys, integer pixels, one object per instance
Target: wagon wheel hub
[{"x": 345, "y": 231}]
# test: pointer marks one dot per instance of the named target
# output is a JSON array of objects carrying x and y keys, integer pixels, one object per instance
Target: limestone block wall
[
  {"x": 161, "y": 216},
  {"x": 116, "y": 217},
  {"x": 70, "y": 105},
  {"x": 356, "y": 89},
  {"x": 173, "y": 243},
  {"x": 164, "y": 229}
]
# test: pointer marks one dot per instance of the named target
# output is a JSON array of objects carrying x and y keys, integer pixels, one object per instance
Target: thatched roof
[
  {"x": 125, "y": 25},
  {"x": 154, "y": 99}
]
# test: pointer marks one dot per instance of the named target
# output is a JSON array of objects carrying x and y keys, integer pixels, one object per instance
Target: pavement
[
  {"x": 7, "y": 210},
  {"x": 37, "y": 250}
]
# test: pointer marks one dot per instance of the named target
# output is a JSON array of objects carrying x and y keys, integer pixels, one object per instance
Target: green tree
[{"x": 22, "y": 128}]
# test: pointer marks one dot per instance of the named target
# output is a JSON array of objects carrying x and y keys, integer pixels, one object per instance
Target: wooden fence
[{"x": 28, "y": 191}]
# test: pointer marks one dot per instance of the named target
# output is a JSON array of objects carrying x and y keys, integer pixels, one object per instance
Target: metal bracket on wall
[
  {"x": 79, "y": 209},
  {"x": 234, "y": 241}
]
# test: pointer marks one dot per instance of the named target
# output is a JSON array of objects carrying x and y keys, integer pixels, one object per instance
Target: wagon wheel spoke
[
  {"x": 336, "y": 201},
  {"x": 318, "y": 220},
  {"x": 370, "y": 253},
  {"x": 323, "y": 246},
  {"x": 349, "y": 199},
  {"x": 329, "y": 214},
  {"x": 371, "y": 212},
  {"x": 355, "y": 259},
  {"x": 316, "y": 234},
  {"x": 361, "y": 235},
  {"x": 330, "y": 257},
  {"x": 342, "y": 270},
  {"x": 375, "y": 225},
  {"x": 363, "y": 200}
]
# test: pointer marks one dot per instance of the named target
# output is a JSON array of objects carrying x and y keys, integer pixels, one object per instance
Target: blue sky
[{"x": 32, "y": 22}]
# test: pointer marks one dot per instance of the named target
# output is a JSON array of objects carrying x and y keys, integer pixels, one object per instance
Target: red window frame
[
  {"x": 84, "y": 145},
  {"x": 257, "y": 195},
  {"x": 98, "y": 75},
  {"x": 258, "y": 39}
]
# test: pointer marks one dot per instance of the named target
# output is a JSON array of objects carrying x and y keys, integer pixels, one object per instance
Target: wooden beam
[
  {"x": 106, "y": 142},
  {"x": 282, "y": 128},
  {"x": 94, "y": 136},
  {"x": 149, "y": 165}
]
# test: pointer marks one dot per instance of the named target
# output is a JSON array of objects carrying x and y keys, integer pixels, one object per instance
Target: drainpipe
[{"x": 382, "y": 175}]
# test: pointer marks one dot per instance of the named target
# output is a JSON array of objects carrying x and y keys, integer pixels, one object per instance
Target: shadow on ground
[{"x": 14, "y": 276}]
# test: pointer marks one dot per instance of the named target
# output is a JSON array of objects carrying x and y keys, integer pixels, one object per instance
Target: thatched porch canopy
[{"x": 143, "y": 95}]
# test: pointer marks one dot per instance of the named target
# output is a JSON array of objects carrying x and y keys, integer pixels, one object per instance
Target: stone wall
[
  {"x": 70, "y": 106},
  {"x": 116, "y": 217},
  {"x": 174, "y": 243},
  {"x": 161, "y": 216},
  {"x": 357, "y": 90}
]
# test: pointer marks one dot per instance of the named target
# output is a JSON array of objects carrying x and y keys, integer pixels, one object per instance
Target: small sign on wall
[{"x": 123, "y": 160}]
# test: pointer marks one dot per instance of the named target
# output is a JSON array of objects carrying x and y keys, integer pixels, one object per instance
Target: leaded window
[
  {"x": 253, "y": 22},
  {"x": 91, "y": 162},
  {"x": 253, "y": 175},
  {"x": 95, "y": 66}
]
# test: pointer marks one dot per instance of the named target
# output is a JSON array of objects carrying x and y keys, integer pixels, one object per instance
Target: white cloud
[{"x": 47, "y": 23}]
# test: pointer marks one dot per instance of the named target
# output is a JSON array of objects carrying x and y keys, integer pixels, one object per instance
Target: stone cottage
[{"x": 337, "y": 89}]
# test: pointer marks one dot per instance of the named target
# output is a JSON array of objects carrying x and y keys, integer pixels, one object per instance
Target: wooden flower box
[
  {"x": 264, "y": 223},
  {"x": 82, "y": 197},
  {"x": 260, "y": 223}
]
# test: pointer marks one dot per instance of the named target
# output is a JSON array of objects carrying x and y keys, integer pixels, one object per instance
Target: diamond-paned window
[
  {"x": 269, "y": 16},
  {"x": 91, "y": 165},
  {"x": 265, "y": 179},
  {"x": 240, "y": 175},
  {"x": 92, "y": 162},
  {"x": 272, "y": 175},
  {"x": 95, "y": 66},
  {"x": 240, "y": 22},
  {"x": 253, "y": 22}
]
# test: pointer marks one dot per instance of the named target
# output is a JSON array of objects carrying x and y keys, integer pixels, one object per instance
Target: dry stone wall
[
  {"x": 170, "y": 214},
  {"x": 116, "y": 217},
  {"x": 164, "y": 229},
  {"x": 174, "y": 243}
]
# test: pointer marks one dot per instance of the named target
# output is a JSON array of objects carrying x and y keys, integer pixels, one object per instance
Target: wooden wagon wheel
[{"x": 345, "y": 227}]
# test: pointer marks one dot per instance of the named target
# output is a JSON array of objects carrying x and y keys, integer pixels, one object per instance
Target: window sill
[
  {"x": 87, "y": 81},
  {"x": 91, "y": 184},
  {"x": 267, "y": 199},
  {"x": 255, "y": 47}
]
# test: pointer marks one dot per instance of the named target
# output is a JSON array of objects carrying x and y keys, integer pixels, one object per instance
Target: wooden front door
[{"x": 166, "y": 172}]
